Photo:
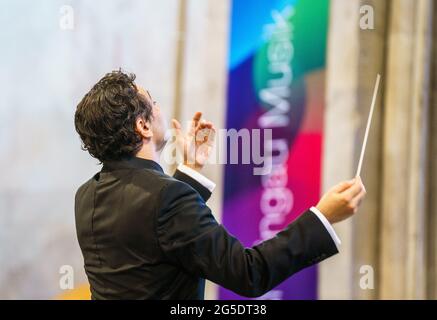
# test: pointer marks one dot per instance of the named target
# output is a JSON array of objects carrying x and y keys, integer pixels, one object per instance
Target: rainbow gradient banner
[{"x": 276, "y": 81}]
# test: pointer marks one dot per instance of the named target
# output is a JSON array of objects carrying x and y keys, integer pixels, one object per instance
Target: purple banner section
[{"x": 276, "y": 81}]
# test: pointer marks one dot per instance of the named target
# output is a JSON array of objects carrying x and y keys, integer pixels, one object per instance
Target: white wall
[{"x": 44, "y": 73}]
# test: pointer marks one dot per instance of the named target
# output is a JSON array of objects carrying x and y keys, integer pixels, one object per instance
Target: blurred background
[{"x": 304, "y": 68}]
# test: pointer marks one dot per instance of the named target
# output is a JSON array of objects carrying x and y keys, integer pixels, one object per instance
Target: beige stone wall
[
  {"x": 45, "y": 72},
  {"x": 204, "y": 81},
  {"x": 432, "y": 204},
  {"x": 394, "y": 231}
]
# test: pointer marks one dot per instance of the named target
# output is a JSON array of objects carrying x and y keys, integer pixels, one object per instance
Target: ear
[{"x": 143, "y": 127}]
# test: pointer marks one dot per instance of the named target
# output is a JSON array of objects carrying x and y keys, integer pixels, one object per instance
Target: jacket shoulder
[
  {"x": 148, "y": 178},
  {"x": 85, "y": 185}
]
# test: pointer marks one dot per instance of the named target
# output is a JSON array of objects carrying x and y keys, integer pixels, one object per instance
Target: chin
[{"x": 161, "y": 144}]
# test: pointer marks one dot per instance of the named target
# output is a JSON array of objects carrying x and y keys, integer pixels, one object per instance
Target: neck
[{"x": 148, "y": 152}]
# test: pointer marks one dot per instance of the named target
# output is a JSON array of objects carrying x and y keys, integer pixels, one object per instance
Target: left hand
[{"x": 197, "y": 143}]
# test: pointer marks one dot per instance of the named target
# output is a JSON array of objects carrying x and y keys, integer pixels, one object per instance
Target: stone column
[
  {"x": 432, "y": 199},
  {"x": 403, "y": 235},
  {"x": 204, "y": 81},
  {"x": 355, "y": 56}
]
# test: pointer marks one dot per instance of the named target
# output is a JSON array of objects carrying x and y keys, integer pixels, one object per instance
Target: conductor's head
[{"x": 118, "y": 119}]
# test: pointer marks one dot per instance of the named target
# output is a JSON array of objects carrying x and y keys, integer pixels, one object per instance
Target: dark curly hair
[{"x": 105, "y": 118}]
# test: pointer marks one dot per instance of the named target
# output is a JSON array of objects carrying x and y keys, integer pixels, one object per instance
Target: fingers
[
  {"x": 342, "y": 186},
  {"x": 354, "y": 190},
  {"x": 211, "y": 135},
  {"x": 195, "y": 122},
  {"x": 197, "y": 116},
  {"x": 361, "y": 181},
  {"x": 204, "y": 124},
  {"x": 205, "y": 132},
  {"x": 176, "y": 127},
  {"x": 357, "y": 200}
]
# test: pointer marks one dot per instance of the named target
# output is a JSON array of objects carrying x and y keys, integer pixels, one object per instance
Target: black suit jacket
[{"x": 146, "y": 235}]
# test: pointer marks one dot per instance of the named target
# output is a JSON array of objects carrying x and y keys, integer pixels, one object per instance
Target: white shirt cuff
[
  {"x": 328, "y": 226},
  {"x": 204, "y": 181}
]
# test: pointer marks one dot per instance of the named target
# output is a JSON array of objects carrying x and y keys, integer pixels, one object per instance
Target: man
[{"x": 146, "y": 235}]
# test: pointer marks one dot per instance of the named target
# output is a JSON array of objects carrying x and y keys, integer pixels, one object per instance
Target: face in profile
[{"x": 158, "y": 122}]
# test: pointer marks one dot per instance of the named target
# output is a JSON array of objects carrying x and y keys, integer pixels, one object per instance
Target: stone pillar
[
  {"x": 432, "y": 199},
  {"x": 355, "y": 57},
  {"x": 204, "y": 81},
  {"x": 403, "y": 235}
]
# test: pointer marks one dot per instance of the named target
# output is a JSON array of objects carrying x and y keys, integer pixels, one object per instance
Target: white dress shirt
[{"x": 204, "y": 181}]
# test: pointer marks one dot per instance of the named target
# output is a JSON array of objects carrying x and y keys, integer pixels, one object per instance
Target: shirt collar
[{"x": 132, "y": 163}]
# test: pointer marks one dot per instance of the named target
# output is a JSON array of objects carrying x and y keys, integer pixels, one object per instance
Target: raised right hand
[{"x": 342, "y": 201}]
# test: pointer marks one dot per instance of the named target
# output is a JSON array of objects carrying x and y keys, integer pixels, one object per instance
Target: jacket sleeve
[
  {"x": 191, "y": 238},
  {"x": 203, "y": 191}
]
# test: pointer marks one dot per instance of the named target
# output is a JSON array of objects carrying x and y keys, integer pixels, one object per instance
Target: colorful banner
[{"x": 276, "y": 81}]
